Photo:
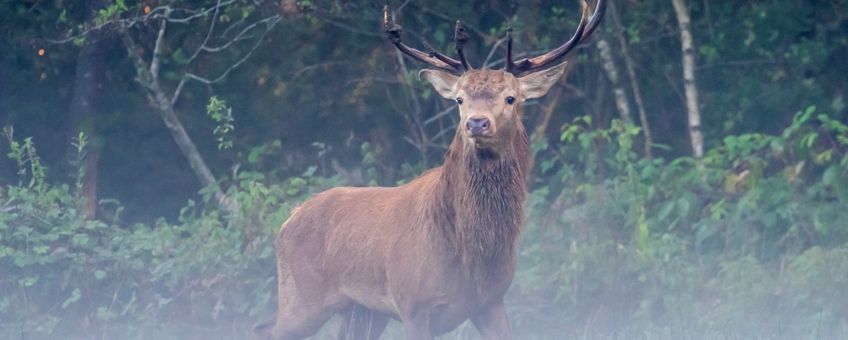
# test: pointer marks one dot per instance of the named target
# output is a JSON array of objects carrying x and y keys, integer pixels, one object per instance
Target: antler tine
[
  {"x": 460, "y": 37},
  {"x": 510, "y": 66},
  {"x": 600, "y": 9},
  {"x": 443, "y": 58},
  {"x": 432, "y": 58},
  {"x": 584, "y": 29}
]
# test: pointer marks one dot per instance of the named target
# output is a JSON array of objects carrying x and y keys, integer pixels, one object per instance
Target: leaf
[
  {"x": 808, "y": 140},
  {"x": 684, "y": 206},
  {"x": 179, "y": 57},
  {"x": 99, "y": 274},
  {"x": 665, "y": 211},
  {"x": 80, "y": 239},
  {"x": 75, "y": 296},
  {"x": 4, "y": 304},
  {"x": 440, "y": 36},
  {"x": 830, "y": 175},
  {"x": 310, "y": 171},
  {"x": 164, "y": 301},
  {"x": 704, "y": 231},
  {"x": 28, "y": 281},
  {"x": 643, "y": 234},
  {"x": 104, "y": 314},
  {"x": 546, "y": 165},
  {"x": 5, "y": 251}
]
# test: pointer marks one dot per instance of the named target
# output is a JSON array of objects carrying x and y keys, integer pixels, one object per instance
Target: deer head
[{"x": 490, "y": 100}]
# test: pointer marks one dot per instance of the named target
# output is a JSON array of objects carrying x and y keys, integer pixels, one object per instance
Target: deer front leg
[
  {"x": 416, "y": 324},
  {"x": 417, "y": 332},
  {"x": 492, "y": 322}
]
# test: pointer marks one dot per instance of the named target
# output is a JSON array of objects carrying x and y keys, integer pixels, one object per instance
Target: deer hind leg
[
  {"x": 304, "y": 304},
  {"x": 361, "y": 323},
  {"x": 492, "y": 322}
]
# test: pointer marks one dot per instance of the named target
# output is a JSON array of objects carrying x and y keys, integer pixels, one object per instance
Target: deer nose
[{"x": 478, "y": 126}]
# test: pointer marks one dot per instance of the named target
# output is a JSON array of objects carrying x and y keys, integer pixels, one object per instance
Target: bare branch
[
  {"x": 383, "y": 80},
  {"x": 445, "y": 131},
  {"x": 350, "y": 28},
  {"x": 211, "y": 29},
  {"x": 492, "y": 51},
  {"x": 441, "y": 114},
  {"x": 443, "y": 16},
  {"x": 158, "y": 13},
  {"x": 178, "y": 90},
  {"x": 157, "y": 50},
  {"x": 208, "y": 33},
  {"x": 205, "y": 80},
  {"x": 175, "y": 127},
  {"x": 327, "y": 64},
  {"x": 142, "y": 74},
  {"x": 118, "y": 23},
  {"x": 239, "y": 37},
  {"x": 187, "y": 19},
  {"x": 232, "y": 27}
]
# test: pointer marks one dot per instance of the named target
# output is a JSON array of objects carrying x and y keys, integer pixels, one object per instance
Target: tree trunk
[
  {"x": 539, "y": 134},
  {"x": 85, "y": 107},
  {"x": 612, "y": 74},
  {"x": 690, "y": 87},
  {"x": 634, "y": 83}
]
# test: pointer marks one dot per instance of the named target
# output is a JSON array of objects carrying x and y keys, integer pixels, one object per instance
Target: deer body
[
  {"x": 438, "y": 250},
  {"x": 407, "y": 252}
]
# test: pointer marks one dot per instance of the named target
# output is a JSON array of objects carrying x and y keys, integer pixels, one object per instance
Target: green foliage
[
  {"x": 668, "y": 248},
  {"x": 222, "y": 114},
  {"x": 111, "y": 12},
  {"x": 64, "y": 274},
  {"x": 25, "y": 156},
  {"x": 749, "y": 237}
]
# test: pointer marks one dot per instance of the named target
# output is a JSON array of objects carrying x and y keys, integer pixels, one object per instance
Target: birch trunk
[
  {"x": 690, "y": 87},
  {"x": 634, "y": 83},
  {"x": 612, "y": 73}
]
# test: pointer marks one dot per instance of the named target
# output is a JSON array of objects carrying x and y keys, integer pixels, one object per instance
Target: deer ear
[
  {"x": 537, "y": 84},
  {"x": 443, "y": 82}
]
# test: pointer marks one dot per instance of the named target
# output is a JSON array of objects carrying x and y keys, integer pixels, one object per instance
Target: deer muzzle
[{"x": 478, "y": 126}]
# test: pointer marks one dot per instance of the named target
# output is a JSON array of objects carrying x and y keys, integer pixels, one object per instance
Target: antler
[
  {"x": 584, "y": 30},
  {"x": 460, "y": 37},
  {"x": 433, "y": 57}
]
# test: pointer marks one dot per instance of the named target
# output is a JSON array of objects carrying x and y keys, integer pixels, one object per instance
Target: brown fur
[
  {"x": 487, "y": 85},
  {"x": 432, "y": 253}
]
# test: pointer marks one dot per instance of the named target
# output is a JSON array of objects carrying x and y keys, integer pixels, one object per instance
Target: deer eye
[
  {"x": 510, "y": 100},
  {"x": 459, "y": 100}
]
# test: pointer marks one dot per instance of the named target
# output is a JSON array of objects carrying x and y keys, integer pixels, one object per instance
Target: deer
[{"x": 442, "y": 248}]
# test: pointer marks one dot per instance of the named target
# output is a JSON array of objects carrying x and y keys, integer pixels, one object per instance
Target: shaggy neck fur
[{"x": 481, "y": 204}]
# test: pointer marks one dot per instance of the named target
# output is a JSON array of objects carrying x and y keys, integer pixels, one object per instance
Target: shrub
[{"x": 748, "y": 242}]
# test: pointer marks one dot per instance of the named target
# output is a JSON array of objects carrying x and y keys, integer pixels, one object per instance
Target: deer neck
[{"x": 483, "y": 200}]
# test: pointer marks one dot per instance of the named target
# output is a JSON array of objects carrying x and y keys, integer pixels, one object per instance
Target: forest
[{"x": 689, "y": 174}]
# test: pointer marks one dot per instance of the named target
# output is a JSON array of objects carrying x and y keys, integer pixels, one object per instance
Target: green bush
[
  {"x": 748, "y": 242},
  {"x": 201, "y": 276}
]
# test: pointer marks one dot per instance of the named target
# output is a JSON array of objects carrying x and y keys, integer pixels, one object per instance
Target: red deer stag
[{"x": 440, "y": 249}]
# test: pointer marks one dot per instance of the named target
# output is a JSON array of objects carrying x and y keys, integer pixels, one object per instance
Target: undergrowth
[{"x": 749, "y": 242}]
